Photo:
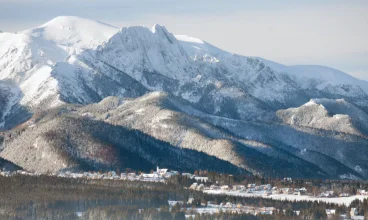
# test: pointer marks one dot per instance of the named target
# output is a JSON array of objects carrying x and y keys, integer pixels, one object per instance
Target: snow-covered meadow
[{"x": 337, "y": 200}]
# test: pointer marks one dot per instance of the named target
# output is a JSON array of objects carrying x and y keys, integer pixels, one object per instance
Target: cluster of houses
[
  {"x": 19, "y": 172},
  {"x": 353, "y": 214},
  {"x": 160, "y": 175},
  {"x": 266, "y": 189},
  {"x": 362, "y": 192},
  {"x": 332, "y": 194},
  {"x": 213, "y": 208}
]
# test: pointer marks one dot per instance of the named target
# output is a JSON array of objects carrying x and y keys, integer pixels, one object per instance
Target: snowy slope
[
  {"x": 337, "y": 115},
  {"x": 73, "y": 34},
  {"x": 276, "y": 84},
  {"x": 157, "y": 61},
  {"x": 75, "y": 60},
  {"x": 27, "y": 57},
  {"x": 325, "y": 79}
]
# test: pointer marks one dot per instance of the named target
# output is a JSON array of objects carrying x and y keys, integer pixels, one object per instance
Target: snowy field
[{"x": 338, "y": 200}]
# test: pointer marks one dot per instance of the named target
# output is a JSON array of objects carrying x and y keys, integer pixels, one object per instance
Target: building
[
  {"x": 190, "y": 200},
  {"x": 201, "y": 179},
  {"x": 200, "y": 187},
  {"x": 362, "y": 192},
  {"x": 161, "y": 172},
  {"x": 173, "y": 203},
  {"x": 228, "y": 205},
  {"x": 189, "y": 175},
  {"x": 149, "y": 175},
  {"x": 344, "y": 195},
  {"x": 193, "y": 186},
  {"x": 252, "y": 185},
  {"x": 238, "y": 187},
  {"x": 225, "y": 187}
]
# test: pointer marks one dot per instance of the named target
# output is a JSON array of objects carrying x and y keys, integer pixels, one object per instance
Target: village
[
  {"x": 202, "y": 183},
  {"x": 212, "y": 208},
  {"x": 268, "y": 190},
  {"x": 160, "y": 175}
]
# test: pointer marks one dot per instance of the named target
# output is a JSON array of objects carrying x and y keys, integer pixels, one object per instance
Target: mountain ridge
[{"x": 71, "y": 60}]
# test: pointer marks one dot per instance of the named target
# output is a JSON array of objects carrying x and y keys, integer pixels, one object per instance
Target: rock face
[
  {"x": 185, "y": 92},
  {"x": 335, "y": 115}
]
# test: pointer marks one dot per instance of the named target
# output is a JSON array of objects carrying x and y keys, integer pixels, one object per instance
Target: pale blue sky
[{"x": 330, "y": 33}]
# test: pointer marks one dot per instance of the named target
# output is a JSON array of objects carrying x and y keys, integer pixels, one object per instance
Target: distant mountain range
[{"x": 83, "y": 95}]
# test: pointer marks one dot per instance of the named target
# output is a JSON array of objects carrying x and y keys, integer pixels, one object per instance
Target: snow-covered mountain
[
  {"x": 74, "y": 60},
  {"x": 28, "y": 57},
  {"x": 335, "y": 115}
]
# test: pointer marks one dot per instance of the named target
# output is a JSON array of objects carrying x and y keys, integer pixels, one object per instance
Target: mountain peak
[
  {"x": 72, "y": 33},
  {"x": 161, "y": 30},
  {"x": 158, "y": 27},
  {"x": 70, "y": 21}
]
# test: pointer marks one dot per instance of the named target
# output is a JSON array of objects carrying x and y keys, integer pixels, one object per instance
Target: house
[
  {"x": 302, "y": 191},
  {"x": 252, "y": 185},
  {"x": 200, "y": 187},
  {"x": 201, "y": 179},
  {"x": 174, "y": 173},
  {"x": 330, "y": 211},
  {"x": 190, "y": 200},
  {"x": 268, "y": 212},
  {"x": 173, "y": 203},
  {"x": 189, "y": 175},
  {"x": 212, "y": 205},
  {"x": 285, "y": 190},
  {"x": 327, "y": 194},
  {"x": 296, "y": 192},
  {"x": 149, "y": 175},
  {"x": 214, "y": 187},
  {"x": 225, "y": 187},
  {"x": 238, "y": 187},
  {"x": 362, "y": 192},
  {"x": 161, "y": 172},
  {"x": 344, "y": 195},
  {"x": 193, "y": 186},
  {"x": 276, "y": 191},
  {"x": 132, "y": 175},
  {"x": 266, "y": 187}
]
